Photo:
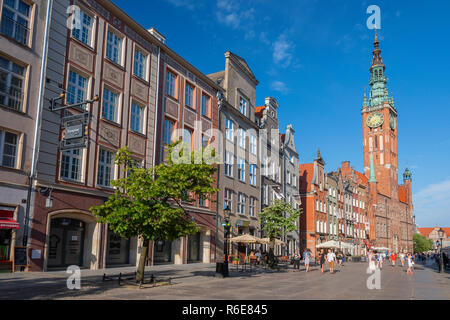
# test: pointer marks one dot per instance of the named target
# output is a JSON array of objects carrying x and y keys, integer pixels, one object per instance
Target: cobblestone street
[{"x": 197, "y": 281}]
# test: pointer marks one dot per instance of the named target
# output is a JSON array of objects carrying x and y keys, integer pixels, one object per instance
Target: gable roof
[
  {"x": 259, "y": 111},
  {"x": 426, "y": 231},
  {"x": 244, "y": 65}
]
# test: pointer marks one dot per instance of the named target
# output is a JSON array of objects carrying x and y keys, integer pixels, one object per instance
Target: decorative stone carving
[
  {"x": 113, "y": 75},
  {"x": 171, "y": 108},
  {"x": 109, "y": 134},
  {"x": 136, "y": 144},
  {"x": 81, "y": 56},
  {"x": 189, "y": 117},
  {"x": 139, "y": 90}
]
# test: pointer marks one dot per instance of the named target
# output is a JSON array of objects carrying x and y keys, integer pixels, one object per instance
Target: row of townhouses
[{"x": 126, "y": 87}]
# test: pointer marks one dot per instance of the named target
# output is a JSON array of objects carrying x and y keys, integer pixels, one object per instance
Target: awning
[{"x": 8, "y": 224}]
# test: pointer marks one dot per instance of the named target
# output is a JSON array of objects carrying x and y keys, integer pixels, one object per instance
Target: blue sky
[{"x": 314, "y": 56}]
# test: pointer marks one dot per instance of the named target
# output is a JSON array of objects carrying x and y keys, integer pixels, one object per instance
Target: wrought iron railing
[{"x": 14, "y": 29}]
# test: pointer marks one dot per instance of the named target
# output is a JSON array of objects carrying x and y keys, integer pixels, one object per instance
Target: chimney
[{"x": 157, "y": 34}]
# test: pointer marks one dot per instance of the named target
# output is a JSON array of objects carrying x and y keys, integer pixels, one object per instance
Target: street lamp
[
  {"x": 222, "y": 268},
  {"x": 441, "y": 234}
]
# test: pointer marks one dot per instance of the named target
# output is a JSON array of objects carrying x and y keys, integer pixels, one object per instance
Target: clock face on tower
[
  {"x": 392, "y": 121},
  {"x": 375, "y": 120}
]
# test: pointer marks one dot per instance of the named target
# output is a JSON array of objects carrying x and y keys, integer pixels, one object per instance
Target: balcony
[{"x": 14, "y": 30}]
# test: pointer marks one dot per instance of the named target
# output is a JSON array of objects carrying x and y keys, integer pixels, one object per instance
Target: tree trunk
[
  {"x": 142, "y": 259},
  {"x": 272, "y": 263}
]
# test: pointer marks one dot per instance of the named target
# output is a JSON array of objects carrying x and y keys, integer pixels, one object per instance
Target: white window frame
[
  {"x": 252, "y": 207},
  {"x": 104, "y": 166},
  {"x": 113, "y": 51},
  {"x": 86, "y": 29},
  {"x": 241, "y": 169},
  {"x": 229, "y": 131},
  {"x": 74, "y": 85},
  {"x": 243, "y": 106},
  {"x": 241, "y": 203},
  {"x": 13, "y": 92},
  {"x": 252, "y": 174},
  {"x": 229, "y": 161},
  {"x": 134, "y": 114},
  {"x": 227, "y": 198},
  {"x": 241, "y": 138},
  {"x": 140, "y": 63},
  {"x": 71, "y": 158},
  {"x": 4, "y": 144},
  {"x": 109, "y": 103},
  {"x": 252, "y": 144}
]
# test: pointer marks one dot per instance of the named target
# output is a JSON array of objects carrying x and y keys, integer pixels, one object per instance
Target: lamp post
[
  {"x": 222, "y": 268},
  {"x": 441, "y": 234}
]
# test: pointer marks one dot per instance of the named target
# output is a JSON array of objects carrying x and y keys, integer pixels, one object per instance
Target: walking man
[
  {"x": 296, "y": 258},
  {"x": 331, "y": 258},
  {"x": 321, "y": 259}
]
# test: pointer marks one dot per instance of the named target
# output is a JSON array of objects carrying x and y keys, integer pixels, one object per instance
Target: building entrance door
[
  {"x": 66, "y": 242},
  {"x": 5, "y": 245},
  {"x": 193, "y": 245},
  {"x": 162, "y": 251},
  {"x": 118, "y": 249}
]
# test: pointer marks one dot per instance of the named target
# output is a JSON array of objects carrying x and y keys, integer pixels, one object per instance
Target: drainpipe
[{"x": 31, "y": 177}]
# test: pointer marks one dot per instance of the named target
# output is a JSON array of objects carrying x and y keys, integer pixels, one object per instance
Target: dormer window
[{"x": 243, "y": 106}]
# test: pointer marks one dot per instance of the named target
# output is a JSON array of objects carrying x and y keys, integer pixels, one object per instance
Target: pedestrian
[
  {"x": 393, "y": 258},
  {"x": 331, "y": 258},
  {"x": 402, "y": 258},
  {"x": 380, "y": 260},
  {"x": 258, "y": 256},
  {"x": 321, "y": 259},
  {"x": 296, "y": 257},
  {"x": 307, "y": 258},
  {"x": 410, "y": 264},
  {"x": 371, "y": 258},
  {"x": 339, "y": 257}
]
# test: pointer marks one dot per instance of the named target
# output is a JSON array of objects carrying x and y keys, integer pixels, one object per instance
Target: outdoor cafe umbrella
[
  {"x": 278, "y": 242},
  {"x": 329, "y": 244},
  {"x": 246, "y": 238}
]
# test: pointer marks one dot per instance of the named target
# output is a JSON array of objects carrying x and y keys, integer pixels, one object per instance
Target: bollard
[
  {"x": 120, "y": 277},
  {"x": 104, "y": 276}
]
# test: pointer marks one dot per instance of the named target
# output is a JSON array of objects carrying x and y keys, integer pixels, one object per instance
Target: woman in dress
[
  {"x": 322, "y": 259},
  {"x": 371, "y": 258},
  {"x": 410, "y": 263},
  {"x": 307, "y": 258}
]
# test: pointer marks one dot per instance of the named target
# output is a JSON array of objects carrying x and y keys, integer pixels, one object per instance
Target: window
[
  {"x": 105, "y": 168},
  {"x": 76, "y": 88},
  {"x": 84, "y": 34},
  {"x": 15, "y": 20},
  {"x": 189, "y": 96},
  {"x": 252, "y": 207},
  {"x": 205, "y": 141},
  {"x": 241, "y": 138},
  {"x": 205, "y": 105},
  {"x": 317, "y": 205},
  {"x": 137, "y": 118},
  {"x": 170, "y": 84},
  {"x": 71, "y": 164},
  {"x": 140, "y": 64},
  {"x": 252, "y": 171},
  {"x": 110, "y": 105},
  {"x": 8, "y": 149},
  {"x": 241, "y": 203},
  {"x": 114, "y": 47},
  {"x": 11, "y": 84},
  {"x": 168, "y": 130},
  {"x": 188, "y": 138},
  {"x": 294, "y": 180},
  {"x": 241, "y": 169},
  {"x": 288, "y": 177},
  {"x": 202, "y": 201},
  {"x": 317, "y": 226},
  {"x": 229, "y": 129},
  {"x": 227, "y": 198},
  {"x": 252, "y": 143},
  {"x": 243, "y": 106},
  {"x": 229, "y": 164}
]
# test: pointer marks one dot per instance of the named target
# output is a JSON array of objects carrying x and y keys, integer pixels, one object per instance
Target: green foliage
[
  {"x": 147, "y": 202},
  {"x": 274, "y": 221},
  {"x": 421, "y": 243}
]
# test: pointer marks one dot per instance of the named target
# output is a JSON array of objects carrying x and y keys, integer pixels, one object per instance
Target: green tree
[
  {"x": 147, "y": 202},
  {"x": 274, "y": 222},
  {"x": 421, "y": 243}
]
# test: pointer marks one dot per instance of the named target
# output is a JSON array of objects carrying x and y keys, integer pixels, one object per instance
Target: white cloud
[
  {"x": 282, "y": 51},
  {"x": 230, "y": 13},
  {"x": 432, "y": 204},
  {"x": 279, "y": 86}
]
